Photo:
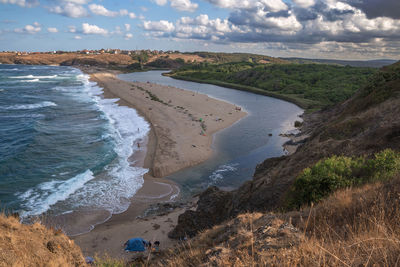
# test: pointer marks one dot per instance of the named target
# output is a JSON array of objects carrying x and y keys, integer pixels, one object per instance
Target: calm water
[
  {"x": 62, "y": 146},
  {"x": 239, "y": 148}
]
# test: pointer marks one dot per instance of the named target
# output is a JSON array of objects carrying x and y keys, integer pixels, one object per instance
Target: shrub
[{"x": 331, "y": 174}]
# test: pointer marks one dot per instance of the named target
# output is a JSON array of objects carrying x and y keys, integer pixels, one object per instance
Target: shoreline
[
  {"x": 177, "y": 139},
  {"x": 245, "y": 88}
]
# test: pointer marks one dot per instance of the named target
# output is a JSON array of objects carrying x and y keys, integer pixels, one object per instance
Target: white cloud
[
  {"x": 161, "y": 2},
  {"x": 181, "y": 5},
  {"x": 102, "y": 11},
  {"x": 161, "y": 26},
  {"x": 71, "y": 29},
  {"x": 21, "y": 3},
  {"x": 304, "y": 3},
  {"x": 271, "y": 5},
  {"x": 127, "y": 27},
  {"x": 77, "y": 37},
  {"x": 52, "y": 30},
  {"x": 69, "y": 9},
  {"x": 184, "y": 5},
  {"x": 93, "y": 29},
  {"x": 128, "y": 36},
  {"x": 31, "y": 29}
]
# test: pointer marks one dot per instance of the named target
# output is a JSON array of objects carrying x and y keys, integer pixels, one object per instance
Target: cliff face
[
  {"x": 363, "y": 125},
  {"x": 35, "y": 245}
]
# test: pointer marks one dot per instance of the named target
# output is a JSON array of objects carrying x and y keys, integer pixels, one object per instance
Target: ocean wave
[
  {"x": 31, "y": 106},
  {"x": 39, "y": 199},
  {"x": 14, "y": 69},
  {"x": 121, "y": 180},
  {"x": 114, "y": 185},
  {"x": 218, "y": 174},
  {"x": 32, "y": 81},
  {"x": 34, "y": 77}
]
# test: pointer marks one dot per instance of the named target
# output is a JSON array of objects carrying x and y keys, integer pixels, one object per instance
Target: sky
[{"x": 336, "y": 29}]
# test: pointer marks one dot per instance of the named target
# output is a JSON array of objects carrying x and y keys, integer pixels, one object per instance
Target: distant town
[{"x": 97, "y": 52}]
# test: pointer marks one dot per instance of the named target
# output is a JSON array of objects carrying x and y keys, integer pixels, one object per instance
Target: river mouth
[{"x": 239, "y": 148}]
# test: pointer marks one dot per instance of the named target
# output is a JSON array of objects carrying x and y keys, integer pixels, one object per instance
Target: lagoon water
[
  {"x": 239, "y": 148},
  {"x": 62, "y": 146}
]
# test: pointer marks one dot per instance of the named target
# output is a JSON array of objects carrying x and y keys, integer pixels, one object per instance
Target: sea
[{"x": 63, "y": 147}]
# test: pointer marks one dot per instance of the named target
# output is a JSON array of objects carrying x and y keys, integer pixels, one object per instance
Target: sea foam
[
  {"x": 218, "y": 174},
  {"x": 122, "y": 179},
  {"x": 34, "y": 77},
  {"x": 39, "y": 199},
  {"x": 31, "y": 106}
]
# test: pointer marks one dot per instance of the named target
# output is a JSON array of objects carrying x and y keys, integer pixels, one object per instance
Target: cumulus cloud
[
  {"x": 69, "y": 9},
  {"x": 304, "y": 3},
  {"x": 181, "y": 5},
  {"x": 102, "y": 11},
  {"x": 160, "y": 26},
  {"x": 184, "y": 5},
  {"x": 77, "y": 37},
  {"x": 93, "y": 29},
  {"x": 127, "y": 27},
  {"x": 31, "y": 29},
  {"x": 271, "y": 5},
  {"x": 301, "y": 24},
  {"x": 52, "y": 30},
  {"x": 21, "y": 3},
  {"x": 128, "y": 36}
]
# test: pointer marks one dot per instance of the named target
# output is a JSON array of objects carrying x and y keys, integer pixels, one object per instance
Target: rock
[{"x": 213, "y": 207}]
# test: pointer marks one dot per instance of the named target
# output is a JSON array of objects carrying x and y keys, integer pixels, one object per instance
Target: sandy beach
[{"x": 182, "y": 128}]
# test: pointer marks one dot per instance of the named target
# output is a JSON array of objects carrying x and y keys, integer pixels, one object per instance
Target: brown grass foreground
[
  {"x": 353, "y": 227},
  {"x": 35, "y": 245}
]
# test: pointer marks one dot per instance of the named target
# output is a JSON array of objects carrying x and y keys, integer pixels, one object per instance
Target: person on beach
[{"x": 156, "y": 246}]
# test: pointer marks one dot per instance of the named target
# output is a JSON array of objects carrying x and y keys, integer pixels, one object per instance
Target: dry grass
[
  {"x": 353, "y": 227},
  {"x": 35, "y": 245}
]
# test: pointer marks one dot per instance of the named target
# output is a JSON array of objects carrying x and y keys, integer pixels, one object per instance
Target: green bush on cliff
[{"x": 331, "y": 174}]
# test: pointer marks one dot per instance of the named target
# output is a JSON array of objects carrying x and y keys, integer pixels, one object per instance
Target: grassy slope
[
  {"x": 353, "y": 227},
  {"x": 311, "y": 86}
]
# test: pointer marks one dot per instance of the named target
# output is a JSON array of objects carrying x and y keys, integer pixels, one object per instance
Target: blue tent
[{"x": 135, "y": 244}]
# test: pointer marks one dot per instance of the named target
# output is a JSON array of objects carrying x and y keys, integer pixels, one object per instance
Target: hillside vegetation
[
  {"x": 349, "y": 134},
  {"x": 353, "y": 227},
  {"x": 35, "y": 245},
  {"x": 340, "y": 193},
  {"x": 311, "y": 86}
]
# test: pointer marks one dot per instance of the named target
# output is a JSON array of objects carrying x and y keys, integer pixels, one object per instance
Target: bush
[{"x": 331, "y": 174}]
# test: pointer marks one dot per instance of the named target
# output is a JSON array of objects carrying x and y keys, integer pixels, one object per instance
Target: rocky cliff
[{"x": 363, "y": 125}]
